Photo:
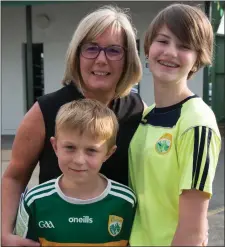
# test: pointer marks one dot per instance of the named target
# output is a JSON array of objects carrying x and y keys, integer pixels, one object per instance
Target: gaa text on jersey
[
  {"x": 84, "y": 219},
  {"x": 45, "y": 224}
]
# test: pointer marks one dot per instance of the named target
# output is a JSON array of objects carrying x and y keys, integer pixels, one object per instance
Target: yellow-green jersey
[
  {"x": 47, "y": 215},
  {"x": 174, "y": 148}
]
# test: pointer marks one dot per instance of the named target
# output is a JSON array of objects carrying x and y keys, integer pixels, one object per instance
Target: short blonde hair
[
  {"x": 88, "y": 116},
  {"x": 190, "y": 25},
  {"x": 88, "y": 29}
]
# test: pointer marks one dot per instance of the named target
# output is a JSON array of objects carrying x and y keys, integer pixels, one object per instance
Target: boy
[
  {"x": 81, "y": 207},
  {"x": 178, "y": 141}
]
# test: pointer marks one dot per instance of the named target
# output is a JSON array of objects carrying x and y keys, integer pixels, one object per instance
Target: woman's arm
[
  {"x": 192, "y": 225},
  {"x": 27, "y": 146}
]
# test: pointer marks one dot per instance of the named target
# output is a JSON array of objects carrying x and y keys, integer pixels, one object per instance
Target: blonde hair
[
  {"x": 190, "y": 25},
  {"x": 88, "y": 116},
  {"x": 88, "y": 29}
]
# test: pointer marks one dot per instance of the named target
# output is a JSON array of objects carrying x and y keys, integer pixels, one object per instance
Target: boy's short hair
[
  {"x": 190, "y": 25},
  {"x": 88, "y": 116}
]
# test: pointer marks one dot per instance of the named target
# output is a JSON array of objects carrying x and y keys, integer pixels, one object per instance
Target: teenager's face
[
  {"x": 169, "y": 59},
  {"x": 102, "y": 74},
  {"x": 80, "y": 157}
]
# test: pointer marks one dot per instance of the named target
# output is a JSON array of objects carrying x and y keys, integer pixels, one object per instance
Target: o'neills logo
[{"x": 84, "y": 219}]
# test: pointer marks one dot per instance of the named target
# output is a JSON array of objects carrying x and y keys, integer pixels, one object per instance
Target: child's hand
[{"x": 205, "y": 242}]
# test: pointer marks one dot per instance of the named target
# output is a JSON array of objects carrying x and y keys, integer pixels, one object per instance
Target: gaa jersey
[
  {"x": 174, "y": 148},
  {"x": 50, "y": 217}
]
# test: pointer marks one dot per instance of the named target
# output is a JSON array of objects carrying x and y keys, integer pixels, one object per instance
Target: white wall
[
  {"x": 63, "y": 21},
  {"x": 13, "y": 90}
]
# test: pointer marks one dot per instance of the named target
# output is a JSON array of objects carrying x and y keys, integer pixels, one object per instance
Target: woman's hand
[{"x": 14, "y": 240}]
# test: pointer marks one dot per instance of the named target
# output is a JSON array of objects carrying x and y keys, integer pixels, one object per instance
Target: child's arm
[
  {"x": 198, "y": 151},
  {"x": 193, "y": 225}
]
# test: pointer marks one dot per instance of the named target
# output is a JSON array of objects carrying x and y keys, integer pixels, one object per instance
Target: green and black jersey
[
  {"x": 48, "y": 216},
  {"x": 175, "y": 148}
]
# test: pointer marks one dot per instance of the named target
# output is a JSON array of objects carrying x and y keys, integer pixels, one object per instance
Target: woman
[
  {"x": 174, "y": 152},
  {"x": 96, "y": 67}
]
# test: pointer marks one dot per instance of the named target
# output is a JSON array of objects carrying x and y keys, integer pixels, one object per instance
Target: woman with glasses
[{"x": 102, "y": 63}]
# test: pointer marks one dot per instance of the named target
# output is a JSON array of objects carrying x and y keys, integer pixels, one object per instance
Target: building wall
[
  {"x": 63, "y": 21},
  {"x": 13, "y": 90}
]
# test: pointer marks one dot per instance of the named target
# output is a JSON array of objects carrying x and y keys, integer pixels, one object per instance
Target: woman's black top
[{"x": 128, "y": 110}]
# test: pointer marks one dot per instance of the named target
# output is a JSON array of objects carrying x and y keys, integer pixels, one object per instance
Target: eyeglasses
[{"x": 113, "y": 52}]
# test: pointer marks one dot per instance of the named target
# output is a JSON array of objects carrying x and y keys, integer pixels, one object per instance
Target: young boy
[
  {"x": 81, "y": 207},
  {"x": 174, "y": 152}
]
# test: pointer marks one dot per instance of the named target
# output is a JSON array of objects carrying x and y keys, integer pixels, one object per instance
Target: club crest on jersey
[
  {"x": 164, "y": 144},
  {"x": 115, "y": 225}
]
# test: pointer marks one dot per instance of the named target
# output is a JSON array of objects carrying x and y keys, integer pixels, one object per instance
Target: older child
[
  {"x": 81, "y": 207},
  {"x": 174, "y": 152}
]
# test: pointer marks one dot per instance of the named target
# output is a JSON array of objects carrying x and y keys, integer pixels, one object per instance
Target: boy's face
[
  {"x": 170, "y": 60},
  {"x": 80, "y": 157}
]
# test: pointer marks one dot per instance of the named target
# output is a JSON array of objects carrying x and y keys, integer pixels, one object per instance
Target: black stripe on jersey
[
  {"x": 206, "y": 168},
  {"x": 195, "y": 156},
  {"x": 199, "y": 158}
]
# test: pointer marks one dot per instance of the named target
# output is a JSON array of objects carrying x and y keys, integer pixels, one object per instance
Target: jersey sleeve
[
  {"x": 25, "y": 225},
  {"x": 198, "y": 151}
]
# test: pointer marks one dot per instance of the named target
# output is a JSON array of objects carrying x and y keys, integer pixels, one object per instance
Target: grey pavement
[
  {"x": 218, "y": 184},
  {"x": 216, "y": 206},
  {"x": 216, "y": 229}
]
